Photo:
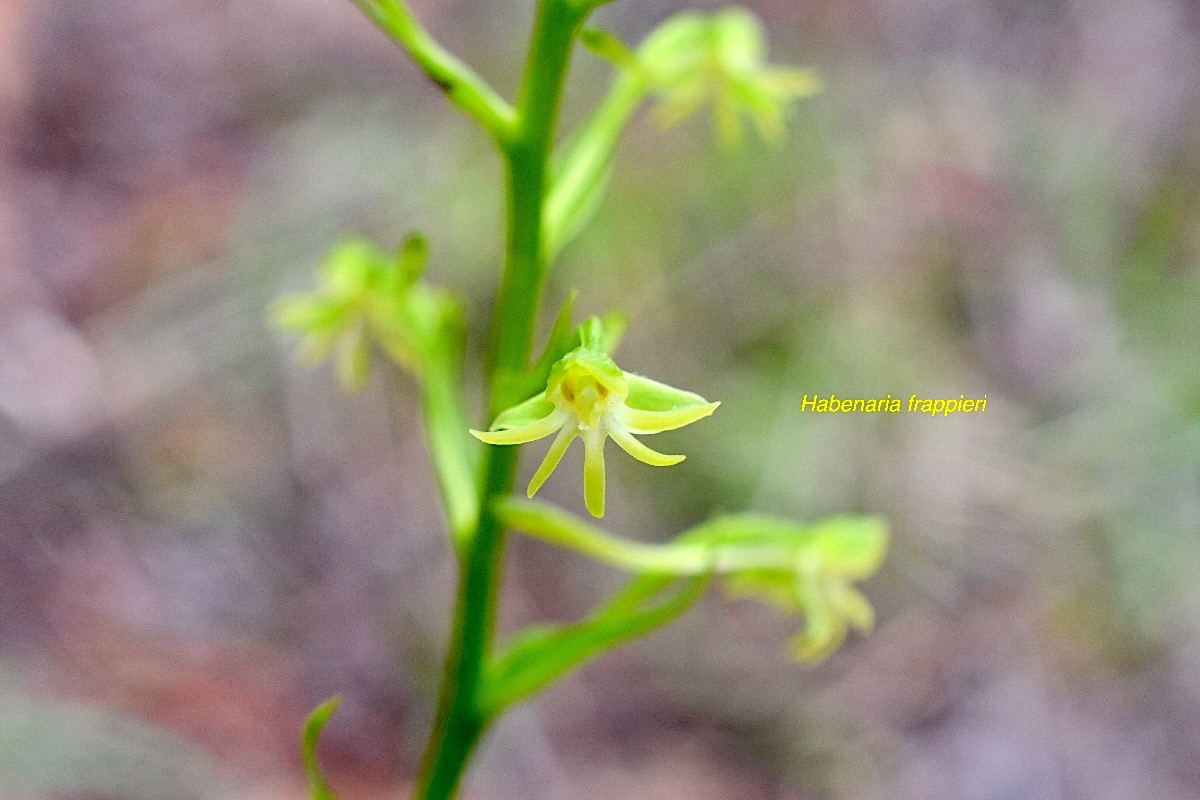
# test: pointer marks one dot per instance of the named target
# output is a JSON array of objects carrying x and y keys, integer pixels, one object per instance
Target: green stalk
[
  {"x": 462, "y": 86},
  {"x": 445, "y": 418},
  {"x": 462, "y": 717}
]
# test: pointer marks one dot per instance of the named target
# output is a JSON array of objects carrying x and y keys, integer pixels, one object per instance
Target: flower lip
[{"x": 579, "y": 388}]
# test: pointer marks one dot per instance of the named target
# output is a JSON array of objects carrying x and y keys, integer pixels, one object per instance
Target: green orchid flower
[
  {"x": 816, "y": 579},
  {"x": 693, "y": 60},
  {"x": 807, "y": 570},
  {"x": 588, "y": 396},
  {"x": 368, "y": 299}
]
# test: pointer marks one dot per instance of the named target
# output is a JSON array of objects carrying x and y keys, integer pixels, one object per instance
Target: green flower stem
[
  {"x": 580, "y": 179},
  {"x": 564, "y": 530},
  {"x": 698, "y": 551},
  {"x": 528, "y": 157},
  {"x": 462, "y": 86},
  {"x": 462, "y": 716},
  {"x": 453, "y": 455}
]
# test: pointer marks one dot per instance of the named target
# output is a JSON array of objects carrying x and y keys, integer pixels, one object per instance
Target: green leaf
[
  {"x": 565, "y": 221},
  {"x": 542, "y": 654},
  {"x": 318, "y": 788}
]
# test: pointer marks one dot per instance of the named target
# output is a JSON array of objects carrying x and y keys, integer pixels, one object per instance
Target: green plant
[{"x": 371, "y": 305}]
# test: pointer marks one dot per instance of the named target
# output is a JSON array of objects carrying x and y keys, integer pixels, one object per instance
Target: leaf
[
  {"x": 544, "y": 653},
  {"x": 563, "y": 224},
  {"x": 318, "y": 788}
]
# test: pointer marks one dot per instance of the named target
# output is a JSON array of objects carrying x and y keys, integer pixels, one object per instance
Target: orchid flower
[
  {"x": 367, "y": 299},
  {"x": 694, "y": 59},
  {"x": 588, "y": 396}
]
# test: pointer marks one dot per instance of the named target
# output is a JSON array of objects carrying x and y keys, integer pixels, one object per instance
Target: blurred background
[{"x": 199, "y": 540}]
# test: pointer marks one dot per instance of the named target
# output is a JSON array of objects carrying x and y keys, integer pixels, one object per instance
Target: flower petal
[
  {"x": 852, "y": 547},
  {"x": 524, "y": 433},
  {"x": 532, "y": 410},
  {"x": 640, "y": 451},
  {"x": 794, "y": 83},
  {"x": 642, "y": 422},
  {"x": 553, "y": 456},
  {"x": 354, "y": 363},
  {"x": 593, "y": 473},
  {"x": 853, "y": 605},
  {"x": 650, "y": 395},
  {"x": 824, "y": 630},
  {"x": 592, "y": 363}
]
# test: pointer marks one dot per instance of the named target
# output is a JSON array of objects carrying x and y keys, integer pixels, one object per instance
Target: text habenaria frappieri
[{"x": 933, "y": 406}]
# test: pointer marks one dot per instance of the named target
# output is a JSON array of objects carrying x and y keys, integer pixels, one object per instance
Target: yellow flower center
[{"x": 585, "y": 397}]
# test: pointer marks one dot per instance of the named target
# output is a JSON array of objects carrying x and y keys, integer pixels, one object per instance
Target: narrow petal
[
  {"x": 593, "y": 473},
  {"x": 532, "y": 410},
  {"x": 795, "y": 82},
  {"x": 824, "y": 631},
  {"x": 640, "y": 451},
  {"x": 525, "y": 433},
  {"x": 853, "y": 605},
  {"x": 553, "y": 456},
  {"x": 354, "y": 363},
  {"x": 637, "y": 421},
  {"x": 679, "y": 105}
]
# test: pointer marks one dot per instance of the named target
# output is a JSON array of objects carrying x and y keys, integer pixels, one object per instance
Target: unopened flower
[{"x": 588, "y": 396}]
